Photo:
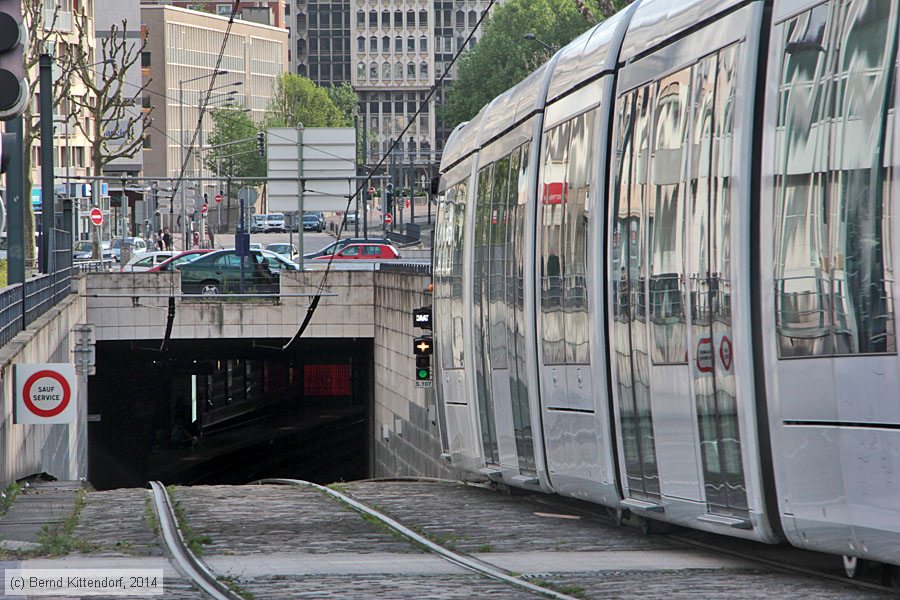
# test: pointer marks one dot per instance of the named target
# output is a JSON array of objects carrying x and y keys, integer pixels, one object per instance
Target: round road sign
[
  {"x": 371, "y": 191},
  {"x": 47, "y": 393},
  {"x": 205, "y": 208},
  {"x": 388, "y": 219},
  {"x": 96, "y": 216},
  {"x": 218, "y": 197}
]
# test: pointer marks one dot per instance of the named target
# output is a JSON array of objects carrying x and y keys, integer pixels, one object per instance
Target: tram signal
[
  {"x": 423, "y": 346},
  {"x": 422, "y": 317},
  {"x": 423, "y": 368},
  {"x": 260, "y": 142}
]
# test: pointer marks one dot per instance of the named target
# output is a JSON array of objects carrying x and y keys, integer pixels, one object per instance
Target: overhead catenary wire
[{"x": 367, "y": 181}]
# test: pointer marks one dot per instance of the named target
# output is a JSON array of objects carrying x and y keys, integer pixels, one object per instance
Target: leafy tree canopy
[
  {"x": 299, "y": 100},
  {"x": 345, "y": 99},
  {"x": 502, "y": 58},
  {"x": 240, "y": 159}
]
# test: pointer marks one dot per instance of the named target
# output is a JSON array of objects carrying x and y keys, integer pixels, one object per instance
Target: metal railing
[
  {"x": 11, "y": 314},
  {"x": 405, "y": 268}
]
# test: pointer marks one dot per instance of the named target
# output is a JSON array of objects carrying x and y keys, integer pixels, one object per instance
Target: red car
[
  {"x": 364, "y": 252},
  {"x": 178, "y": 259}
]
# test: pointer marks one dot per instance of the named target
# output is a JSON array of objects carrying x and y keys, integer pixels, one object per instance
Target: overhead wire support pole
[{"x": 48, "y": 206}]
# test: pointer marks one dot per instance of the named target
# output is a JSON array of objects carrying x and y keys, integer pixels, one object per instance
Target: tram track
[
  {"x": 466, "y": 562},
  {"x": 184, "y": 560}
]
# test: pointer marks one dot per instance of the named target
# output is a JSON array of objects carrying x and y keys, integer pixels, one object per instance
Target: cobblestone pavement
[
  {"x": 115, "y": 523},
  {"x": 445, "y": 587}
]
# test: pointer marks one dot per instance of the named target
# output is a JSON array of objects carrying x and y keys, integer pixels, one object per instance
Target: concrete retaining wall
[
  {"x": 60, "y": 450},
  {"x": 406, "y": 435}
]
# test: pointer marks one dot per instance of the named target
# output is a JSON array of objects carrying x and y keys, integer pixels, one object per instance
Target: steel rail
[
  {"x": 191, "y": 566},
  {"x": 463, "y": 561}
]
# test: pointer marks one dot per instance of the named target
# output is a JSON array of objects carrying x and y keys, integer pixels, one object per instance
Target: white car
[
  {"x": 147, "y": 260},
  {"x": 275, "y": 223}
]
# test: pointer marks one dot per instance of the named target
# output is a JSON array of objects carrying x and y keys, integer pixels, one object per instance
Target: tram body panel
[{"x": 828, "y": 288}]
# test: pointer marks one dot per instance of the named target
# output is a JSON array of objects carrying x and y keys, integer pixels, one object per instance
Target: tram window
[
  {"x": 833, "y": 245},
  {"x": 450, "y": 244},
  {"x": 668, "y": 333},
  {"x": 552, "y": 269},
  {"x": 497, "y": 248}
]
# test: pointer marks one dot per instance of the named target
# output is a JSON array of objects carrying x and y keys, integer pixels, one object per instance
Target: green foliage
[
  {"x": 502, "y": 58},
  {"x": 345, "y": 99},
  {"x": 12, "y": 490},
  {"x": 298, "y": 100},
  {"x": 237, "y": 160},
  {"x": 60, "y": 539}
]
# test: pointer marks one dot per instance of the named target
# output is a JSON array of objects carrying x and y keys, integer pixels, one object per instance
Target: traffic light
[
  {"x": 260, "y": 141},
  {"x": 423, "y": 368},
  {"x": 423, "y": 346},
  {"x": 389, "y": 194},
  {"x": 13, "y": 87}
]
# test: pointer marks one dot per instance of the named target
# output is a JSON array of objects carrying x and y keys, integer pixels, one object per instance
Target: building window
[
  {"x": 373, "y": 71},
  {"x": 386, "y": 44},
  {"x": 398, "y": 44},
  {"x": 360, "y": 44},
  {"x": 223, "y": 10},
  {"x": 145, "y": 60},
  {"x": 411, "y": 70},
  {"x": 373, "y": 19},
  {"x": 373, "y": 44},
  {"x": 361, "y": 70},
  {"x": 148, "y": 145},
  {"x": 398, "y": 19},
  {"x": 423, "y": 70},
  {"x": 410, "y": 18},
  {"x": 386, "y": 71},
  {"x": 423, "y": 44},
  {"x": 473, "y": 18},
  {"x": 460, "y": 19},
  {"x": 410, "y": 44},
  {"x": 360, "y": 19},
  {"x": 423, "y": 18},
  {"x": 385, "y": 19},
  {"x": 398, "y": 71}
]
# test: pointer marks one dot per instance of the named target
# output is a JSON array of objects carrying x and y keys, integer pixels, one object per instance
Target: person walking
[
  {"x": 158, "y": 240},
  {"x": 167, "y": 238}
]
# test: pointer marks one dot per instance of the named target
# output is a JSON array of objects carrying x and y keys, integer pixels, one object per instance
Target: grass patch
[
  {"x": 338, "y": 486},
  {"x": 3, "y": 271},
  {"x": 12, "y": 490},
  {"x": 568, "y": 589},
  {"x": 194, "y": 542},
  {"x": 235, "y": 587},
  {"x": 485, "y": 548},
  {"x": 60, "y": 540},
  {"x": 150, "y": 515}
]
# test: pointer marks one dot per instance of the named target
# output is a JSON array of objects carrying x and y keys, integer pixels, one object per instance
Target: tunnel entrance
[{"x": 229, "y": 412}]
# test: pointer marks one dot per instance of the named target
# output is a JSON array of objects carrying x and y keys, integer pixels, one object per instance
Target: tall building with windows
[
  {"x": 392, "y": 52},
  {"x": 180, "y": 61}
]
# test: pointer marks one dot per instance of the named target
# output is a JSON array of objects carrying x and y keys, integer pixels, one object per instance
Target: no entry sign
[
  {"x": 388, "y": 219},
  {"x": 96, "y": 216},
  {"x": 45, "y": 393}
]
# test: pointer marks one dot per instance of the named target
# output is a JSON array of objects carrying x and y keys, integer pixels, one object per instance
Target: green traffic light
[{"x": 422, "y": 374}]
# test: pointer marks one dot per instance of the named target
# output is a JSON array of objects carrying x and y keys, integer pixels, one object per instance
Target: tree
[
  {"x": 116, "y": 129},
  {"x": 502, "y": 58},
  {"x": 240, "y": 159},
  {"x": 344, "y": 97},
  {"x": 298, "y": 100}
]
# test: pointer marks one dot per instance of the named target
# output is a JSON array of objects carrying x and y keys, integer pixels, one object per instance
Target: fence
[
  {"x": 405, "y": 268},
  {"x": 22, "y": 304}
]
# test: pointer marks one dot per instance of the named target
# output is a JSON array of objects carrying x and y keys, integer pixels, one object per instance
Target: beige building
[{"x": 180, "y": 61}]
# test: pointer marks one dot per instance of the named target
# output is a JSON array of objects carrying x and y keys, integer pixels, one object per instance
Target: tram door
[
  {"x": 709, "y": 265},
  {"x": 628, "y": 275},
  {"x": 482, "y": 268}
]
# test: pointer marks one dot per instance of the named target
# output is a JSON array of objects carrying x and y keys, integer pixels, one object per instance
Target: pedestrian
[
  {"x": 158, "y": 240},
  {"x": 167, "y": 239}
]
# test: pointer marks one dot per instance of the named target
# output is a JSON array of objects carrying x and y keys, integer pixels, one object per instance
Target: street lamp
[
  {"x": 533, "y": 38},
  {"x": 181, "y": 141}
]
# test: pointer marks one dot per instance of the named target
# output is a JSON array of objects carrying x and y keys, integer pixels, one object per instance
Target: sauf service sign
[{"x": 45, "y": 394}]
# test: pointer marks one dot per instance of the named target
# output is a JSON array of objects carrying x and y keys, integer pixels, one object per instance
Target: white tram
[{"x": 663, "y": 273}]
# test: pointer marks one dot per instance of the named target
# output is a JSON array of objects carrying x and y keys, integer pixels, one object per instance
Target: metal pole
[
  {"x": 356, "y": 164},
  {"x": 15, "y": 205},
  {"x": 181, "y": 142},
  {"x": 412, "y": 189},
  {"x": 301, "y": 190},
  {"x": 392, "y": 180},
  {"x": 47, "y": 192},
  {"x": 219, "y": 204},
  {"x": 365, "y": 191}
]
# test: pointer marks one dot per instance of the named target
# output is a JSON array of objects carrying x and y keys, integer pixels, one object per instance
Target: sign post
[{"x": 45, "y": 393}]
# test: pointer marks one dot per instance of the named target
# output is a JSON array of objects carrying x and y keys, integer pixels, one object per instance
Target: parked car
[
  {"x": 138, "y": 246},
  {"x": 351, "y": 218},
  {"x": 146, "y": 261},
  {"x": 181, "y": 257},
  {"x": 339, "y": 244},
  {"x": 219, "y": 272},
  {"x": 275, "y": 223},
  {"x": 286, "y": 250},
  {"x": 313, "y": 222},
  {"x": 84, "y": 250},
  {"x": 365, "y": 252},
  {"x": 258, "y": 223}
]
